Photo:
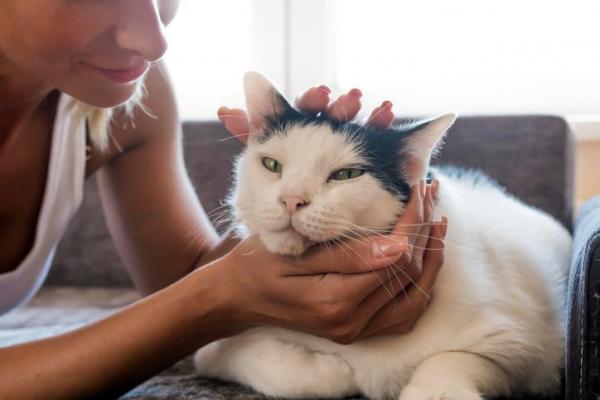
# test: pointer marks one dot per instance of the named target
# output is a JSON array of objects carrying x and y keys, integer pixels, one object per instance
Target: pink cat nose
[{"x": 293, "y": 203}]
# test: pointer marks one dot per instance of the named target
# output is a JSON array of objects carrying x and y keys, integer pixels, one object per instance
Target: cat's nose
[{"x": 293, "y": 203}]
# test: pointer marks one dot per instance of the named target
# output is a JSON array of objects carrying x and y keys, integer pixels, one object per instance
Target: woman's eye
[
  {"x": 346, "y": 173},
  {"x": 272, "y": 165}
]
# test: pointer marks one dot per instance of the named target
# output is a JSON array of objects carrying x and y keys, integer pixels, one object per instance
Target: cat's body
[{"x": 494, "y": 325}]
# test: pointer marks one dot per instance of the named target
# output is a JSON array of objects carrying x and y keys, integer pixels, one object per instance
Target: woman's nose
[{"x": 141, "y": 29}]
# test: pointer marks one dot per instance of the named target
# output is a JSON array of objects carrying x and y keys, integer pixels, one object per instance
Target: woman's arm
[
  {"x": 161, "y": 231},
  {"x": 327, "y": 293},
  {"x": 151, "y": 208},
  {"x": 109, "y": 357}
]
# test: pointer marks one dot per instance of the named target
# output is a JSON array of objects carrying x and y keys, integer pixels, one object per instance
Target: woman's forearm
[
  {"x": 226, "y": 242},
  {"x": 109, "y": 357}
]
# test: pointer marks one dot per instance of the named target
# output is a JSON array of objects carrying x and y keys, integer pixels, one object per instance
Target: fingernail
[
  {"x": 436, "y": 185},
  {"x": 222, "y": 110},
  {"x": 325, "y": 89},
  {"x": 387, "y": 248},
  {"x": 355, "y": 92},
  {"x": 387, "y": 103},
  {"x": 422, "y": 188}
]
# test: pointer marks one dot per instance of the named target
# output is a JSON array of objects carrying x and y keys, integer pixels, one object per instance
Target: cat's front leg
[
  {"x": 456, "y": 376},
  {"x": 275, "y": 368}
]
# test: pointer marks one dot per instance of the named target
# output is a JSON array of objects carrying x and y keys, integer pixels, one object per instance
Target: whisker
[
  {"x": 232, "y": 116},
  {"x": 343, "y": 246}
]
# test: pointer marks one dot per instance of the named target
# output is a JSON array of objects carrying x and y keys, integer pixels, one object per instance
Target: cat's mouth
[
  {"x": 286, "y": 241},
  {"x": 288, "y": 229},
  {"x": 299, "y": 230}
]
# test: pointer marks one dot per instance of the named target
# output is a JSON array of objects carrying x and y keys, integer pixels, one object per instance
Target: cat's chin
[{"x": 288, "y": 242}]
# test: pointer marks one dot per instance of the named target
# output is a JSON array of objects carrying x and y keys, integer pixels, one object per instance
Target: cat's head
[{"x": 306, "y": 179}]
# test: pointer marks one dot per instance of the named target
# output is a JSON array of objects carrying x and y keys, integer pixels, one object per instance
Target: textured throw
[{"x": 60, "y": 309}]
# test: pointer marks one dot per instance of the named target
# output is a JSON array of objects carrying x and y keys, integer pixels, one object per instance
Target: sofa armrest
[{"x": 583, "y": 308}]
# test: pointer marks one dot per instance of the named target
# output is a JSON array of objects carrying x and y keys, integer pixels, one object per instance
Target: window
[
  {"x": 213, "y": 43},
  {"x": 427, "y": 57},
  {"x": 210, "y": 46},
  {"x": 472, "y": 56}
]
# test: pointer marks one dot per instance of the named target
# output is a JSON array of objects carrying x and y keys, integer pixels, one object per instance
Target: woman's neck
[{"x": 20, "y": 97}]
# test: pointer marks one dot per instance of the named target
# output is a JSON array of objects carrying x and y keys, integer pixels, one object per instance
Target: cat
[{"x": 495, "y": 323}]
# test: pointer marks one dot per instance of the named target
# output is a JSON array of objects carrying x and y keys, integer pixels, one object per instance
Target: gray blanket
[{"x": 59, "y": 309}]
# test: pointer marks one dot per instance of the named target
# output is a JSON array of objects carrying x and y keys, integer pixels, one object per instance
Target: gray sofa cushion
[{"x": 532, "y": 156}]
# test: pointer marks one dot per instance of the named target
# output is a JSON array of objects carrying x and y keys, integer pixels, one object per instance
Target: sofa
[{"x": 531, "y": 155}]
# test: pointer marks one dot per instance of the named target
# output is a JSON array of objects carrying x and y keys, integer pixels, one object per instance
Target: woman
[{"x": 63, "y": 62}]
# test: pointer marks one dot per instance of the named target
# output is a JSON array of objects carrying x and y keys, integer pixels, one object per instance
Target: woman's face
[{"x": 95, "y": 50}]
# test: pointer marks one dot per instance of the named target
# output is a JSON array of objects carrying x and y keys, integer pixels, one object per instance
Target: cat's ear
[
  {"x": 421, "y": 143},
  {"x": 262, "y": 100}
]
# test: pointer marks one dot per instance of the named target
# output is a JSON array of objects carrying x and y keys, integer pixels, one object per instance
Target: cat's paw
[
  {"x": 433, "y": 392},
  {"x": 206, "y": 359},
  {"x": 285, "y": 243}
]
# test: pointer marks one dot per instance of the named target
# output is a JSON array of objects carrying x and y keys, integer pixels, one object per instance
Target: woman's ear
[{"x": 421, "y": 143}]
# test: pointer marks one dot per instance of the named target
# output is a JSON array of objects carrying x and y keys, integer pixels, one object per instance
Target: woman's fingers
[
  {"x": 382, "y": 116},
  {"x": 400, "y": 314},
  {"x": 386, "y": 306},
  {"x": 314, "y": 100},
  {"x": 409, "y": 224},
  {"x": 346, "y": 106},
  {"x": 399, "y": 278},
  {"x": 356, "y": 288},
  {"x": 235, "y": 121},
  {"x": 422, "y": 236},
  {"x": 349, "y": 301},
  {"x": 354, "y": 256}
]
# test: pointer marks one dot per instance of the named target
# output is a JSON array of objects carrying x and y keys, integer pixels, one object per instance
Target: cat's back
[
  {"x": 520, "y": 249},
  {"x": 489, "y": 210}
]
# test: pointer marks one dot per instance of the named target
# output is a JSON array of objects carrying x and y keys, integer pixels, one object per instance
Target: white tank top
[{"x": 62, "y": 197}]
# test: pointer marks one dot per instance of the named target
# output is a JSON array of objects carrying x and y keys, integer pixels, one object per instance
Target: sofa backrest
[{"x": 532, "y": 156}]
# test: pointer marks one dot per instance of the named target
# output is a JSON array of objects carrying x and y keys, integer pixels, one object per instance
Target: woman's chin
[{"x": 104, "y": 95}]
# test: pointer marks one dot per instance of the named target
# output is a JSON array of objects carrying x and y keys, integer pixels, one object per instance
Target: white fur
[
  {"x": 494, "y": 325},
  {"x": 308, "y": 155}
]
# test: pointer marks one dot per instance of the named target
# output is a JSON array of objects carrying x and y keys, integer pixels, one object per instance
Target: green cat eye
[
  {"x": 272, "y": 165},
  {"x": 346, "y": 173}
]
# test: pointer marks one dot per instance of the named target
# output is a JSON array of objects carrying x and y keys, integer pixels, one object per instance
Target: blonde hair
[{"x": 99, "y": 119}]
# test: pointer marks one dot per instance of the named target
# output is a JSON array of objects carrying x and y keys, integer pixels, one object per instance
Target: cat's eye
[
  {"x": 346, "y": 173},
  {"x": 272, "y": 165}
]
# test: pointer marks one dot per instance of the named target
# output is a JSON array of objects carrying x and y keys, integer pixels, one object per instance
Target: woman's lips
[{"x": 123, "y": 75}]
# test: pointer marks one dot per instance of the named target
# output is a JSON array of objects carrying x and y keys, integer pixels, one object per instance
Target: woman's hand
[
  {"x": 401, "y": 313},
  {"x": 334, "y": 292},
  {"x": 343, "y": 292},
  {"x": 316, "y": 100}
]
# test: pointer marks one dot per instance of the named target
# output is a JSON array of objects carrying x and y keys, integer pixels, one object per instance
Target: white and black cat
[{"x": 495, "y": 324}]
